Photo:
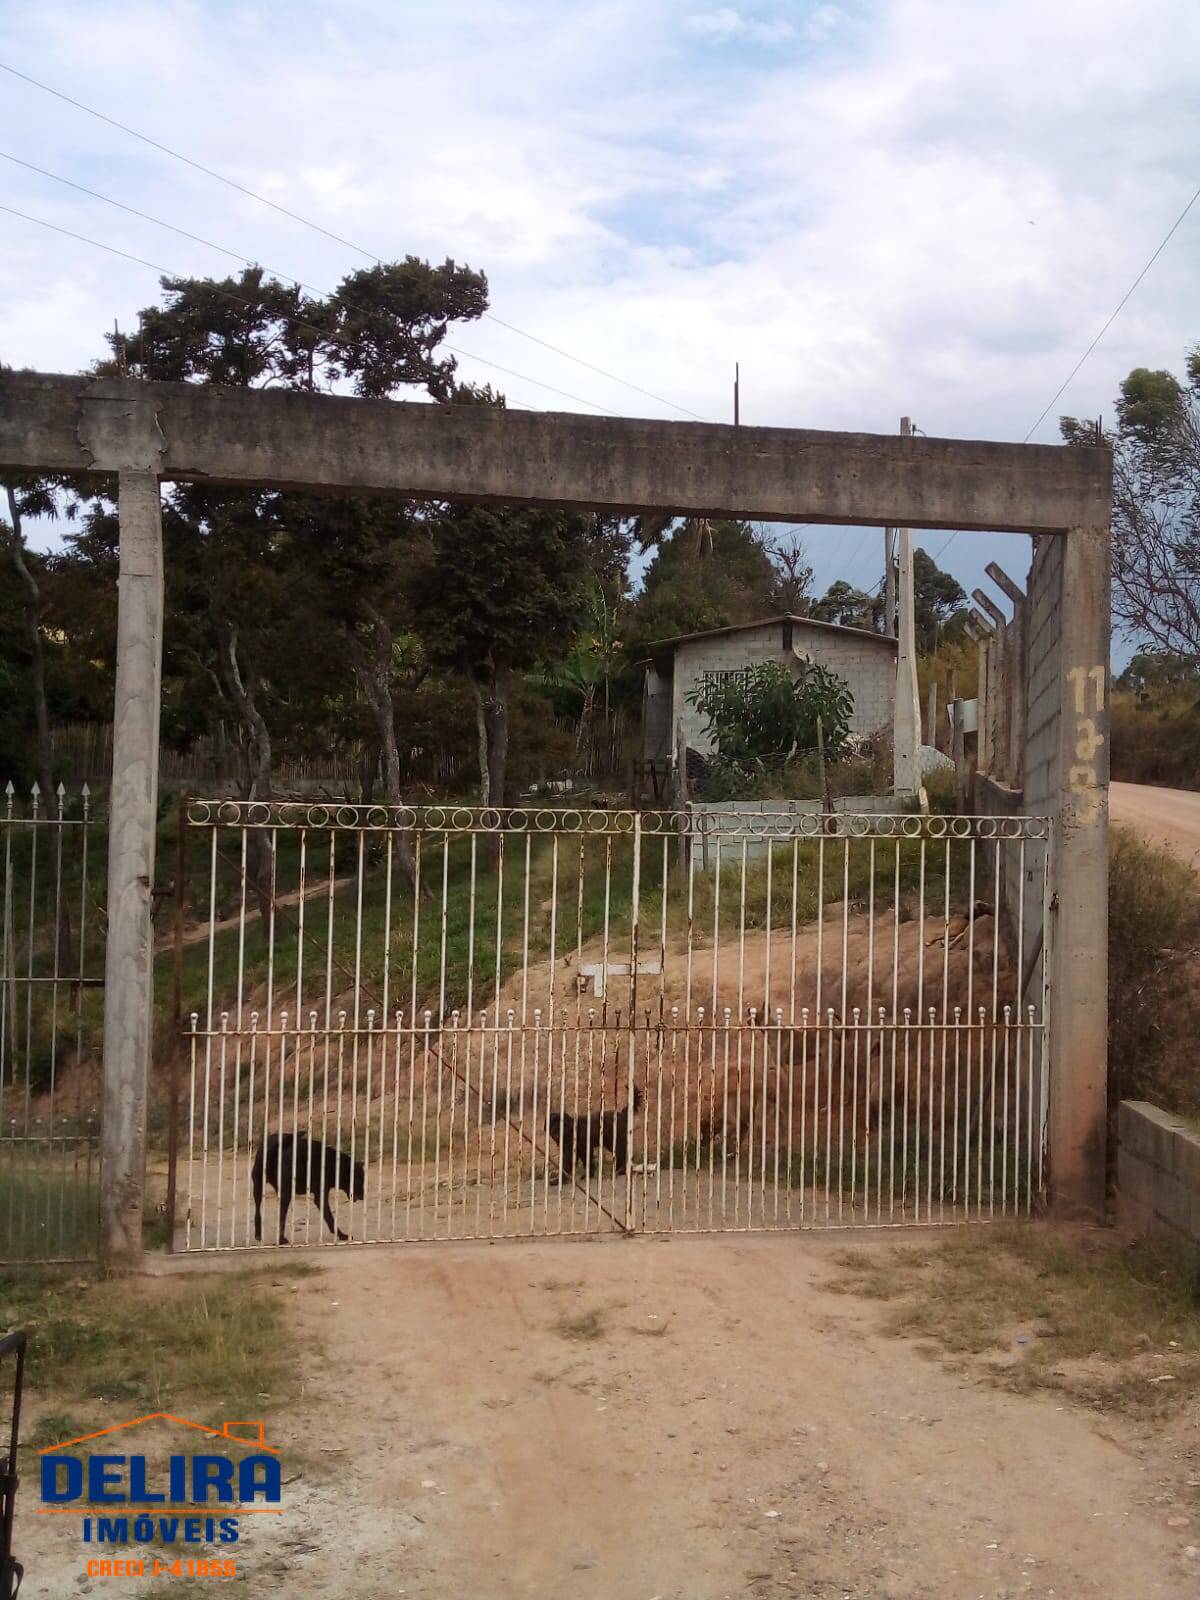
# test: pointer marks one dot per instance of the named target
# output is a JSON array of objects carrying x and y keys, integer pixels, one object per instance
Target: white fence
[{"x": 447, "y": 1023}]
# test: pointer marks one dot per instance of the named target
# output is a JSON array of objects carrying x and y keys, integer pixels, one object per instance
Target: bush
[
  {"x": 765, "y": 714},
  {"x": 1157, "y": 741},
  {"x": 1153, "y": 965}
]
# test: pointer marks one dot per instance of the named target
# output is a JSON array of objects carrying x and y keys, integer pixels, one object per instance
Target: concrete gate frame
[{"x": 148, "y": 433}]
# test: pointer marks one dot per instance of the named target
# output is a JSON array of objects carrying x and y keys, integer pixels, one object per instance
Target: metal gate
[
  {"x": 442, "y": 1022},
  {"x": 51, "y": 1025}
]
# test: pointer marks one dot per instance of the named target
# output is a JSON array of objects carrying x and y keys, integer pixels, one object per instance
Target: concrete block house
[{"x": 865, "y": 661}]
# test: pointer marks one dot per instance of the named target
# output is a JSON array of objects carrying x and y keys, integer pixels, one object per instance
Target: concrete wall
[
  {"x": 1158, "y": 1174},
  {"x": 1043, "y": 739},
  {"x": 868, "y": 668},
  {"x": 1042, "y": 709}
]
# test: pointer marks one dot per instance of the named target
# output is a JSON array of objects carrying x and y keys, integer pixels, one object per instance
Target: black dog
[
  {"x": 318, "y": 1170},
  {"x": 581, "y": 1137}
]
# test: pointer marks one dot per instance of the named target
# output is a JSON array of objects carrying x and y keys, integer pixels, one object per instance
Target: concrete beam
[
  {"x": 333, "y": 444},
  {"x": 1004, "y": 583},
  {"x": 980, "y": 623},
  {"x": 989, "y": 606}
]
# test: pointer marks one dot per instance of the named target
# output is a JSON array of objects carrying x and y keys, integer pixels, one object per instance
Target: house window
[{"x": 709, "y": 679}]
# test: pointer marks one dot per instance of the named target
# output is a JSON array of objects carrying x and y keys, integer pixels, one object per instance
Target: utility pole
[
  {"x": 906, "y": 737},
  {"x": 889, "y": 581},
  {"x": 737, "y": 393}
]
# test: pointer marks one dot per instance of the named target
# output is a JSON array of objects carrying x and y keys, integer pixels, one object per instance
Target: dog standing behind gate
[
  {"x": 580, "y": 1138},
  {"x": 316, "y": 1169}
]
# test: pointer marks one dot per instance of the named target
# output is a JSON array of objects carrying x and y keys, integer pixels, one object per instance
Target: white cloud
[
  {"x": 849, "y": 219},
  {"x": 724, "y": 24}
]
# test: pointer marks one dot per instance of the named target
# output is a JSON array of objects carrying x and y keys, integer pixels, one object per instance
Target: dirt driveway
[
  {"x": 682, "y": 1419},
  {"x": 1166, "y": 817}
]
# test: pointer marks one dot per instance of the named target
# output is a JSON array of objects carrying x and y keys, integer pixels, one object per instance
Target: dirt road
[
  {"x": 1166, "y": 817},
  {"x": 686, "y": 1419}
]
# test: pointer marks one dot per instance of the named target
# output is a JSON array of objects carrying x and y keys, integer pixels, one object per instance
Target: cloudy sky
[{"x": 877, "y": 206}]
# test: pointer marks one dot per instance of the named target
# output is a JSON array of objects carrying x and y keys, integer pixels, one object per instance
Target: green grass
[
  {"x": 498, "y": 907},
  {"x": 1091, "y": 1316},
  {"x": 217, "y": 1343},
  {"x": 46, "y": 1215},
  {"x": 584, "y": 1327}
]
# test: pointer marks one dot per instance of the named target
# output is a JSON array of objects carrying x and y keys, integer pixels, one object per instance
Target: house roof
[
  {"x": 658, "y": 647},
  {"x": 258, "y": 1443}
]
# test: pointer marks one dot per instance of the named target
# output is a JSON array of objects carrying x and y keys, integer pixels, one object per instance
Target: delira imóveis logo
[{"x": 194, "y": 1496}]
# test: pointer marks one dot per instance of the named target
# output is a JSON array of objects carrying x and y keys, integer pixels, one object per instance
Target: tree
[
  {"x": 791, "y": 585},
  {"x": 767, "y": 713},
  {"x": 849, "y": 607},
  {"x": 1156, "y": 505},
  {"x": 501, "y": 590},
  {"x": 1160, "y": 669},
  {"x": 380, "y": 330},
  {"x": 574, "y": 681},
  {"x": 31, "y": 497},
  {"x": 686, "y": 590},
  {"x": 938, "y": 599}
]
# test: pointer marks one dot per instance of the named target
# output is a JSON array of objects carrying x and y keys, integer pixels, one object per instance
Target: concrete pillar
[
  {"x": 906, "y": 734},
  {"x": 129, "y": 956},
  {"x": 1079, "y": 916},
  {"x": 889, "y": 581}
]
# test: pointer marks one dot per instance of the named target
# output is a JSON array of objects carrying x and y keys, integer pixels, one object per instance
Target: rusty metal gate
[{"x": 442, "y": 1022}]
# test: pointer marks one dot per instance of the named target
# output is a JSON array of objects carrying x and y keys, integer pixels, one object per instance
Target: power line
[
  {"x": 1166, "y": 239},
  {"x": 317, "y": 227},
  {"x": 1120, "y": 306},
  {"x": 158, "y": 222},
  {"x": 156, "y": 266}
]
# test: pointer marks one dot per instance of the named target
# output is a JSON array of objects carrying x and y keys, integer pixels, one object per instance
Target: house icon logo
[{"x": 194, "y": 1496}]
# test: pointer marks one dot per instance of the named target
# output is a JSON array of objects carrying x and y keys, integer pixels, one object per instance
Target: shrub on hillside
[
  {"x": 1153, "y": 966},
  {"x": 1157, "y": 741}
]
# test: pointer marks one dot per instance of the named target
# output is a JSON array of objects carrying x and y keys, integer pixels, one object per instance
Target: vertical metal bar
[
  {"x": 428, "y": 1020},
  {"x": 181, "y": 856},
  {"x": 312, "y": 1052},
  {"x": 396, "y": 1126},
  {"x": 191, "y": 1136},
  {"x": 792, "y": 1034},
  {"x": 920, "y": 1008},
  {"x": 250, "y": 1118},
  {"x": 631, "y": 1045},
  {"x": 221, "y": 1129},
  {"x": 957, "y": 1103},
  {"x": 510, "y": 1019},
  {"x": 8, "y": 967},
  {"x": 995, "y": 1023},
  {"x": 366, "y": 1159},
  {"x": 969, "y": 1013},
  {"x": 339, "y": 1095}
]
